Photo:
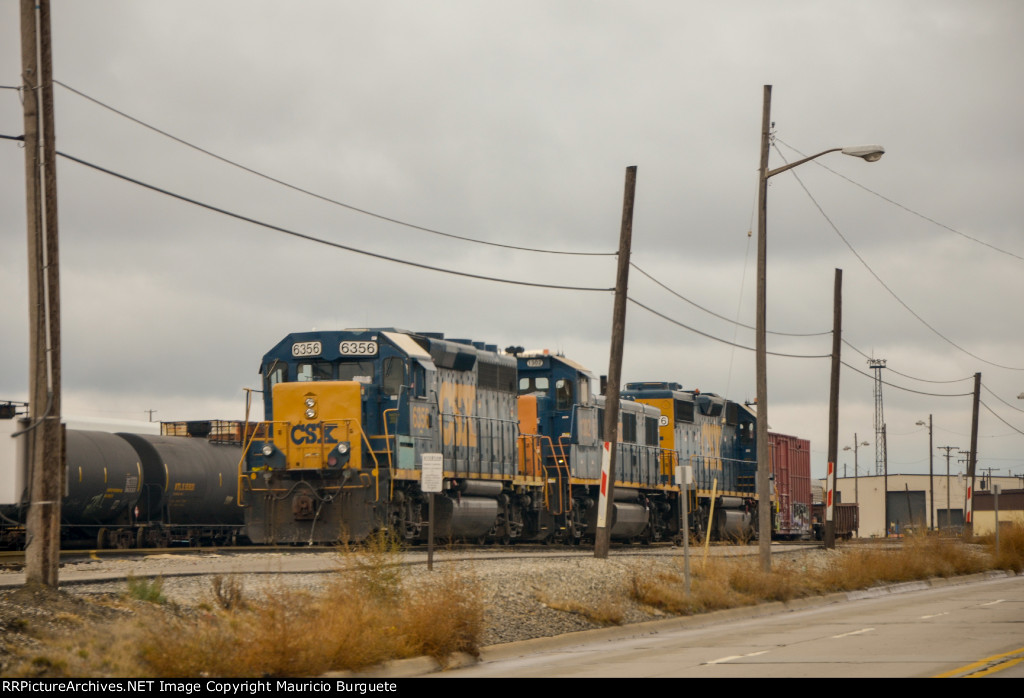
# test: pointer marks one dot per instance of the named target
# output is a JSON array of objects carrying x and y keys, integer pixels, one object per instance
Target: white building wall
[{"x": 868, "y": 492}]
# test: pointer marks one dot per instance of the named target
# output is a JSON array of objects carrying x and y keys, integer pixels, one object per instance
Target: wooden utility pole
[
  {"x": 764, "y": 491},
  {"x": 972, "y": 461},
  {"x": 603, "y": 534},
  {"x": 833, "y": 410},
  {"x": 44, "y": 447}
]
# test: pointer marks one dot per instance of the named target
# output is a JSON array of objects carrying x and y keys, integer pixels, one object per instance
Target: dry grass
[
  {"x": 723, "y": 584},
  {"x": 1011, "y": 548},
  {"x": 607, "y": 610},
  {"x": 366, "y": 615}
]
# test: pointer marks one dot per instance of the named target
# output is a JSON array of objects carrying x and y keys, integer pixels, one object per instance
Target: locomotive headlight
[
  {"x": 343, "y": 447},
  {"x": 310, "y": 402},
  {"x": 268, "y": 450},
  {"x": 310, "y": 413}
]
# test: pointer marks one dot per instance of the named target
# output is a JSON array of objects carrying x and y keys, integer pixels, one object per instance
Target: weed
[
  {"x": 602, "y": 611},
  {"x": 1011, "y": 548},
  {"x": 377, "y": 565},
  {"x": 143, "y": 589},
  {"x": 228, "y": 592}
]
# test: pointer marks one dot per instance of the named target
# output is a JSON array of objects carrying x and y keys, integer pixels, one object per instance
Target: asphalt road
[{"x": 912, "y": 630}]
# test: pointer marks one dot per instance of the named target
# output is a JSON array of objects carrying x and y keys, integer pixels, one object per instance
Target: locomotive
[
  {"x": 350, "y": 415},
  {"x": 126, "y": 490}
]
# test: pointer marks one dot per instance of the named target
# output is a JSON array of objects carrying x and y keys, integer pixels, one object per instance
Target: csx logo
[{"x": 310, "y": 433}]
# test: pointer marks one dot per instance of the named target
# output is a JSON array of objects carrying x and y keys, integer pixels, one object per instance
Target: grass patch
[
  {"x": 607, "y": 610},
  {"x": 725, "y": 583},
  {"x": 150, "y": 590},
  {"x": 1010, "y": 555}
]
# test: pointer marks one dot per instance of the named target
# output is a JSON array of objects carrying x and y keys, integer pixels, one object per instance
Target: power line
[
  {"x": 900, "y": 387},
  {"x": 719, "y": 339},
  {"x": 311, "y": 238},
  {"x": 905, "y": 208},
  {"x": 327, "y": 199},
  {"x": 1000, "y": 418},
  {"x": 1001, "y": 399},
  {"x": 883, "y": 284},
  {"x": 722, "y": 317},
  {"x": 905, "y": 375}
]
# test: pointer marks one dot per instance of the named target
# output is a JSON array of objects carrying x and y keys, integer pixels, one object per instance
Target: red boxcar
[{"x": 791, "y": 473}]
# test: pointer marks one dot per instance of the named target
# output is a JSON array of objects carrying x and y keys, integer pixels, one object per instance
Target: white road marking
[
  {"x": 935, "y": 615},
  {"x": 993, "y": 603},
  {"x": 853, "y": 632},
  {"x": 722, "y": 660}
]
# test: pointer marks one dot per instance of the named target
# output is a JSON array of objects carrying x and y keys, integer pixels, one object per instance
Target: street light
[
  {"x": 868, "y": 153},
  {"x": 931, "y": 483},
  {"x": 856, "y": 481}
]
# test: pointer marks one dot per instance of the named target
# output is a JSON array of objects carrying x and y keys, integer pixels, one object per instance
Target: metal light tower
[{"x": 877, "y": 365}]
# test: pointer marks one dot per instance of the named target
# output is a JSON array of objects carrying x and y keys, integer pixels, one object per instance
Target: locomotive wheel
[
  {"x": 101, "y": 539},
  {"x": 140, "y": 538}
]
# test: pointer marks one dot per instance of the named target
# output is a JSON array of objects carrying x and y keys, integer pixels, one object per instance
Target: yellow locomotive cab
[{"x": 308, "y": 440}]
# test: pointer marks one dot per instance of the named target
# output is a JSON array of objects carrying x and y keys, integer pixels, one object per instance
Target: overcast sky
[{"x": 514, "y": 122}]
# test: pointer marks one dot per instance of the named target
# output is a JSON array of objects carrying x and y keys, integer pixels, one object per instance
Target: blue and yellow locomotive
[
  {"x": 718, "y": 439},
  {"x": 351, "y": 414},
  {"x": 570, "y": 422}
]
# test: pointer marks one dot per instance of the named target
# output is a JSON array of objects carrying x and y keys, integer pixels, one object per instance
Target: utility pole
[
  {"x": 949, "y": 515},
  {"x": 43, "y": 435},
  {"x": 606, "y": 503},
  {"x": 764, "y": 492},
  {"x": 833, "y": 409},
  {"x": 972, "y": 460},
  {"x": 931, "y": 477}
]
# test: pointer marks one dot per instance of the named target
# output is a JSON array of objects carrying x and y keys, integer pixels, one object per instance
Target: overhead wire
[
  {"x": 883, "y": 284},
  {"x": 1000, "y": 418},
  {"x": 905, "y": 208},
  {"x": 722, "y": 317},
  {"x": 905, "y": 375},
  {"x": 719, "y": 339},
  {"x": 321, "y": 241},
  {"x": 1000, "y": 399},
  {"x": 900, "y": 387},
  {"x": 321, "y": 197}
]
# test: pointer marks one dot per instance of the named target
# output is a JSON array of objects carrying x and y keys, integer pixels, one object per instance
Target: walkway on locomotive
[
  {"x": 419, "y": 393},
  {"x": 714, "y": 435},
  {"x": 570, "y": 418}
]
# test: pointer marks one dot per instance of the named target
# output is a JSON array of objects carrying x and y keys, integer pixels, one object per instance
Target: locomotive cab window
[
  {"x": 563, "y": 394},
  {"x": 533, "y": 384},
  {"x": 360, "y": 371},
  {"x": 392, "y": 375},
  {"x": 419, "y": 380},
  {"x": 274, "y": 374},
  {"x": 315, "y": 371}
]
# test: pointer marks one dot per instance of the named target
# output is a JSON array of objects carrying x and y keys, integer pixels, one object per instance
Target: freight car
[
  {"x": 125, "y": 490},
  {"x": 791, "y": 477},
  {"x": 846, "y": 516},
  {"x": 351, "y": 414}
]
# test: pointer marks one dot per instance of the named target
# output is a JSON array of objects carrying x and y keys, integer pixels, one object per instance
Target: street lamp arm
[
  {"x": 779, "y": 170},
  {"x": 871, "y": 153}
]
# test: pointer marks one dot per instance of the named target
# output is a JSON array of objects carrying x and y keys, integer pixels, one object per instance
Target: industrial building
[{"x": 922, "y": 502}]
